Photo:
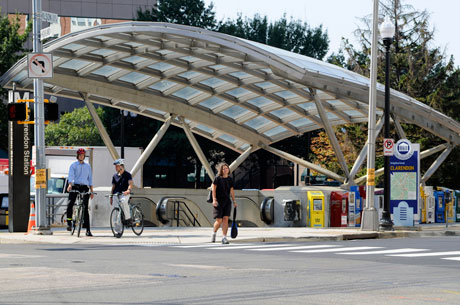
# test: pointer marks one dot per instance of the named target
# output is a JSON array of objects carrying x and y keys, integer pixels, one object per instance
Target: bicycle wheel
[
  {"x": 116, "y": 222},
  {"x": 138, "y": 220},
  {"x": 74, "y": 218},
  {"x": 80, "y": 219}
]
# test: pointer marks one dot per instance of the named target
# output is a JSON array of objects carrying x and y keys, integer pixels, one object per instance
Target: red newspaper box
[{"x": 339, "y": 209}]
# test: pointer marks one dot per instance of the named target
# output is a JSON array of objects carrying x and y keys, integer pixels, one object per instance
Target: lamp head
[{"x": 387, "y": 29}]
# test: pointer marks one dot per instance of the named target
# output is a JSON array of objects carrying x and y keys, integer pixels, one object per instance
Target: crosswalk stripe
[
  {"x": 427, "y": 254},
  {"x": 294, "y": 248},
  {"x": 203, "y": 245},
  {"x": 335, "y": 250},
  {"x": 451, "y": 258},
  {"x": 231, "y": 247},
  {"x": 403, "y": 250}
]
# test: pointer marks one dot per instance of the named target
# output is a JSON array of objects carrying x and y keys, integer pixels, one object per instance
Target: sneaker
[
  {"x": 225, "y": 241},
  {"x": 69, "y": 228},
  {"x": 88, "y": 233},
  {"x": 213, "y": 238}
]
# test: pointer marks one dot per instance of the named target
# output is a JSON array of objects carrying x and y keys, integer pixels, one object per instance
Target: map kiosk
[{"x": 405, "y": 176}]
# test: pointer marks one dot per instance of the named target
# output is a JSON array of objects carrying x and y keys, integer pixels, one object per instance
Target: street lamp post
[{"x": 387, "y": 31}]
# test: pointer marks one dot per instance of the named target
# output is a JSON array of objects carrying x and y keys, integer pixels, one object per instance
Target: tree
[
  {"x": 187, "y": 12},
  {"x": 11, "y": 50},
  {"x": 292, "y": 35},
  {"x": 74, "y": 128},
  {"x": 418, "y": 68}
]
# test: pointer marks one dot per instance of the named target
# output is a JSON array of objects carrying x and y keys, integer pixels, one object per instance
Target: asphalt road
[{"x": 388, "y": 271}]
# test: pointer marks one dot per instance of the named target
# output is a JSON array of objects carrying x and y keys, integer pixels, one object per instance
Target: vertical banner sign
[
  {"x": 19, "y": 154},
  {"x": 405, "y": 177}
]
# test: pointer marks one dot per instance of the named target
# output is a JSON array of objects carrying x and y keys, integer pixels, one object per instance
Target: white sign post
[
  {"x": 40, "y": 65},
  {"x": 388, "y": 147}
]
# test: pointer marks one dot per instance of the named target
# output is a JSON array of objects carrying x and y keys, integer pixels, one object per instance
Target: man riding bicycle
[
  {"x": 122, "y": 182},
  {"x": 80, "y": 179}
]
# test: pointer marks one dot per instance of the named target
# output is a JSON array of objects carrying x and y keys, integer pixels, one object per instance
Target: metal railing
[
  {"x": 56, "y": 208},
  {"x": 180, "y": 214}
]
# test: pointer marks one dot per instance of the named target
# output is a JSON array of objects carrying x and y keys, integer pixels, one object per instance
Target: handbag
[
  {"x": 234, "y": 231},
  {"x": 209, "y": 199}
]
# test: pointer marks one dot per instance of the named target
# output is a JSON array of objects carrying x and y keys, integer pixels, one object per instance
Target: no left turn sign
[
  {"x": 388, "y": 147},
  {"x": 40, "y": 65}
]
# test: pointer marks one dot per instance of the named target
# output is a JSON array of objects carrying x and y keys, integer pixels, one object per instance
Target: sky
[{"x": 340, "y": 17}]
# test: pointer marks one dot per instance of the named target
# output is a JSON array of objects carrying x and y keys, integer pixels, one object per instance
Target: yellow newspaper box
[{"x": 315, "y": 209}]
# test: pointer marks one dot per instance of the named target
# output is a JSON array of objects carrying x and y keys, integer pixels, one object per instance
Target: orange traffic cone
[{"x": 32, "y": 223}]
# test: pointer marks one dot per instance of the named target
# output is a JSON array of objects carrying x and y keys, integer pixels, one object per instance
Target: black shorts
[{"x": 223, "y": 209}]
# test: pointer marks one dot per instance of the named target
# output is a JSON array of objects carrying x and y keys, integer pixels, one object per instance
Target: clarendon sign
[{"x": 405, "y": 176}]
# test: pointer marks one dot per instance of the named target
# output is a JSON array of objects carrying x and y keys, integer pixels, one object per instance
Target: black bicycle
[
  {"x": 77, "y": 212},
  {"x": 118, "y": 219}
]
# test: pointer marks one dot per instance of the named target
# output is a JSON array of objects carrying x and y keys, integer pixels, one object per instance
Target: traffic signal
[
  {"x": 17, "y": 112},
  {"x": 51, "y": 112}
]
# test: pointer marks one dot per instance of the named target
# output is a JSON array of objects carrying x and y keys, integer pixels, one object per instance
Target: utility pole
[
  {"x": 370, "y": 215},
  {"x": 39, "y": 128}
]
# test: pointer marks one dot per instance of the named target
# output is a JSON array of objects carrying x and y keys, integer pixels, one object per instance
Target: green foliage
[
  {"x": 11, "y": 50},
  {"x": 74, "y": 128},
  {"x": 292, "y": 35},
  {"x": 187, "y": 12},
  {"x": 419, "y": 69}
]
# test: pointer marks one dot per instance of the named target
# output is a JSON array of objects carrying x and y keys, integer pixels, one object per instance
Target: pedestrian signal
[
  {"x": 51, "y": 112},
  {"x": 17, "y": 112}
]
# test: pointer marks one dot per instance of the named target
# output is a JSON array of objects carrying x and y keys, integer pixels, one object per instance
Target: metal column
[
  {"x": 332, "y": 138},
  {"x": 370, "y": 215},
  {"x": 153, "y": 143},
  {"x": 198, "y": 150},
  {"x": 436, "y": 164},
  {"x": 39, "y": 127},
  {"x": 240, "y": 159},
  {"x": 104, "y": 135},
  {"x": 304, "y": 163}
]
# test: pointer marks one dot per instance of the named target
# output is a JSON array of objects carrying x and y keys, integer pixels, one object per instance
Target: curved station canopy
[{"x": 238, "y": 93}]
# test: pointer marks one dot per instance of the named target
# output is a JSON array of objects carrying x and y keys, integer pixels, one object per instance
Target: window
[{"x": 317, "y": 204}]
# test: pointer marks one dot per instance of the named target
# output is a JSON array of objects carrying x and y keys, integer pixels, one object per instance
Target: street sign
[
  {"x": 388, "y": 147},
  {"x": 40, "y": 65},
  {"x": 49, "y": 17}
]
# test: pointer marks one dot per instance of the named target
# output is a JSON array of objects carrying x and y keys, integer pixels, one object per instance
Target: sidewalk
[{"x": 190, "y": 235}]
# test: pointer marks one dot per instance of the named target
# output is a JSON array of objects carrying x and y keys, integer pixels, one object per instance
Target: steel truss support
[
  {"x": 302, "y": 162},
  {"x": 197, "y": 149},
  {"x": 399, "y": 129},
  {"x": 436, "y": 164},
  {"x": 330, "y": 132},
  {"x": 240, "y": 159},
  {"x": 100, "y": 127},
  {"x": 153, "y": 143},
  {"x": 423, "y": 155},
  {"x": 363, "y": 154}
]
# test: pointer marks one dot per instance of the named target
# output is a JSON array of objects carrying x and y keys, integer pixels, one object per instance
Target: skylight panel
[
  {"x": 275, "y": 131},
  {"x": 234, "y": 111}
]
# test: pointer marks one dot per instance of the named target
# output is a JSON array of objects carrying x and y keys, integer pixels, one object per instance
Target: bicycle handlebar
[
  {"x": 82, "y": 193},
  {"x": 118, "y": 194}
]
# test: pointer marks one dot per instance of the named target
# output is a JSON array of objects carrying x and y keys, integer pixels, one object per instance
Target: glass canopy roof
[{"x": 235, "y": 92}]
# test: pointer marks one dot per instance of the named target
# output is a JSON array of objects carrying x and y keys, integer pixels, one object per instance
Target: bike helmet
[
  {"x": 119, "y": 162},
  {"x": 81, "y": 151}
]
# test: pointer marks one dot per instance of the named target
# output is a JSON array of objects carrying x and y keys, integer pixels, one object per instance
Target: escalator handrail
[
  {"x": 194, "y": 220},
  {"x": 262, "y": 209},
  {"x": 164, "y": 200}
]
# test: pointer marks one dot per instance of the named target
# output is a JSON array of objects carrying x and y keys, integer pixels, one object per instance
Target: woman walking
[{"x": 222, "y": 189}]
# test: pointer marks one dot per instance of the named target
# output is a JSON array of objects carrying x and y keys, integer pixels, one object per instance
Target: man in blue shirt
[{"x": 80, "y": 179}]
